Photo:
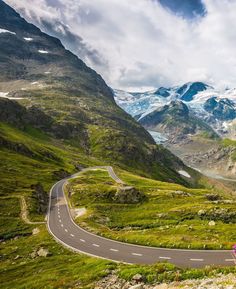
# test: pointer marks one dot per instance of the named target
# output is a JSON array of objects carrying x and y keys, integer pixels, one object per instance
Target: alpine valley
[
  {"x": 85, "y": 189},
  {"x": 195, "y": 121}
]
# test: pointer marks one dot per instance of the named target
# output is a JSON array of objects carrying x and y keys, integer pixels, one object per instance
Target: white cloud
[{"x": 145, "y": 45}]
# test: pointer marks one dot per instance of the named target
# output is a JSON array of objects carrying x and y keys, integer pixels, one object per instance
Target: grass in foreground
[
  {"x": 172, "y": 216},
  {"x": 62, "y": 269}
]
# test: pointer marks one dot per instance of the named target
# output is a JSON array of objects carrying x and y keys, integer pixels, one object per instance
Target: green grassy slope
[
  {"x": 172, "y": 215},
  {"x": 67, "y": 99}
]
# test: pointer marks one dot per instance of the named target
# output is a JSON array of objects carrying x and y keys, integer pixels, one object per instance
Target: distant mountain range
[{"x": 194, "y": 106}]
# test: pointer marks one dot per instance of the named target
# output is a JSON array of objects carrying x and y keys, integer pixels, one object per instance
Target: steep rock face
[
  {"x": 216, "y": 161},
  {"x": 165, "y": 92},
  {"x": 174, "y": 109},
  {"x": 222, "y": 109},
  {"x": 176, "y": 122},
  {"x": 129, "y": 195},
  {"x": 187, "y": 92},
  {"x": 26, "y": 51},
  {"x": 62, "y": 96}
]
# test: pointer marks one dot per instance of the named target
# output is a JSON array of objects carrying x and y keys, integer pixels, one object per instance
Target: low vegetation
[
  {"x": 21, "y": 173},
  {"x": 170, "y": 215}
]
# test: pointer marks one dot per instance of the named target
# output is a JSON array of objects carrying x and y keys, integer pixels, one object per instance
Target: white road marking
[
  {"x": 137, "y": 254},
  {"x": 166, "y": 258},
  {"x": 114, "y": 250},
  {"x": 96, "y": 245},
  {"x": 200, "y": 260},
  {"x": 72, "y": 235},
  {"x": 66, "y": 230},
  {"x": 82, "y": 240},
  {"x": 60, "y": 221},
  {"x": 62, "y": 225},
  {"x": 230, "y": 260}
]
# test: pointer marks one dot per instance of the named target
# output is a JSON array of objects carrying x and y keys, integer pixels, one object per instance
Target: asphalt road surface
[{"x": 64, "y": 230}]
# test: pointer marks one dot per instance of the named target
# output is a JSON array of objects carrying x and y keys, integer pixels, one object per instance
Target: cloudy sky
[{"x": 141, "y": 44}]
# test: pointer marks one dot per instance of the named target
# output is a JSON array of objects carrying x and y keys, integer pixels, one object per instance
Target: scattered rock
[
  {"x": 138, "y": 286},
  {"x": 212, "y": 223},
  {"x": 201, "y": 212},
  {"x": 128, "y": 195},
  {"x": 138, "y": 278},
  {"x": 220, "y": 282},
  {"x": 180, "y": 194},
  {"x": 162, "y": 215},
  {"x": 212, "y": 197},
  {"x": 33, "y": 254},
  {"x": 35, "y": 231},
  {"x": 41, "y": 253}
]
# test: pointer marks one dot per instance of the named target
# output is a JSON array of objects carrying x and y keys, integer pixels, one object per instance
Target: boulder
[
  {"x": 212, "y": 223},
  {"x": 138, "y": 286},
  {"x": 43, "y": 252},
  {"x": 128, "y": 195},
  {"x": 180, "y": 194},
  {"x": 35, "y": 231},
  {"x": 212, "y": 197},
  {"x": 201, "y": 212},
  {"x": 138, "y": 278}
]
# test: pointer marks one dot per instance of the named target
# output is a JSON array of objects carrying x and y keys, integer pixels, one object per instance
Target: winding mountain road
[{"x": 64, "y": 230}]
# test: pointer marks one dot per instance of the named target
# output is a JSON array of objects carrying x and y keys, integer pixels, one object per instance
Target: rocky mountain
[
  {"x": 175, "y": 121},
  {"x": 217, "y": 109},
  {"x": 191, "y": 120},
  {"x": 221, "y": 109},
  {"x": 58, "y": 94}
]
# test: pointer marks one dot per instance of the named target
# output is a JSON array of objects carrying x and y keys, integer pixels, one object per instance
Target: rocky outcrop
[
  {"x": 218, "y": 214},
  {"x": 128, "y": 195},
  {"x": 188, "y": 91},
  {"x": 176, "y": 122},
  {"x": 218, "y": 159},
  {"x": 41, "y": 252},
  {"x": 218, "y": 282},
  {"x": 41, "y": 198},
  {"x": 222, "y": 109}
]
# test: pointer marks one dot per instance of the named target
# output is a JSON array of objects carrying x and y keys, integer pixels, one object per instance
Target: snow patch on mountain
[
  {"x": 184, "y": 173},
  {"x": 43, "y": 51},
  {"x": 28, "y": 39},
  {"x": 6, "y": 31},
  {"x": 193, "y": 94}
]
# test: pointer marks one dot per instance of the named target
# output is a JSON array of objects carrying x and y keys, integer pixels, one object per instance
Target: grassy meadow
[{"x": 171, "y": 216}]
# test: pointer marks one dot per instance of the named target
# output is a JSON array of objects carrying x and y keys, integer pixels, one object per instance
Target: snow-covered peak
[{"x": 193, "y": 94}]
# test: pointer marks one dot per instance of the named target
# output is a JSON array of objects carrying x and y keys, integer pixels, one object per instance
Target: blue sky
[
  {"x": 186, "y": 8},
  {"x": 152, "y": 43}
]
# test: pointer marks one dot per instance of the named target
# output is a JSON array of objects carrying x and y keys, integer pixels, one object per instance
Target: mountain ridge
[
  {"x": 196, "y": 95},
  {"x": 44, "y": 77}
]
